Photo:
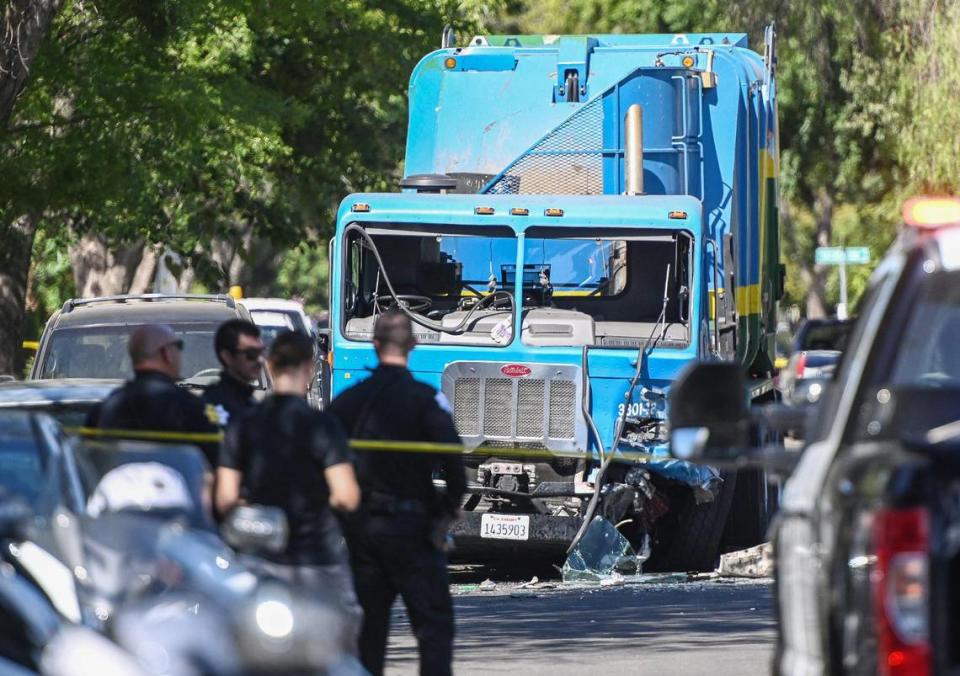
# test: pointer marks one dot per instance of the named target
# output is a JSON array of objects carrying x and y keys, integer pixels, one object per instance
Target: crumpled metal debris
[
  {"x": 703, "y": 479},
  {"x": 753, "y": 562},
  {"x": 602, "y": 554}
]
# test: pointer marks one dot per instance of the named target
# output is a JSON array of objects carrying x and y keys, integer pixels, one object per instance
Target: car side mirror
[
  {"x": 256, "y": 529},
  {"x": 708, "y": 412}
]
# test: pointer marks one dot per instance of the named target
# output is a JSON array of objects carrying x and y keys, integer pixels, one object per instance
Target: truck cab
[{"x": 581, "y": 217}]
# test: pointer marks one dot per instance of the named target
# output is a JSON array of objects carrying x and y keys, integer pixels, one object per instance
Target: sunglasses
[
  {"x": 251, "y": 353},
  {"x": 174, "y": 343}
]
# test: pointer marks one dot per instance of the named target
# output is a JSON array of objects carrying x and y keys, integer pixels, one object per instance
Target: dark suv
[
  {"x": 867, "y": 544},
  {"x": 88, "y": 338}
]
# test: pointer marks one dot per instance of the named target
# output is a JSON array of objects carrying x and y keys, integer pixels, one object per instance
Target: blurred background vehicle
[
  {"x": 867, "y": 545},
  {"x": 817, "y": 348},
  {"x": 67, "y": 400},
  {"x": 274, "y": 315},
  {"x": 88, "y": 338},
  {"x": 118, "y": 536}
]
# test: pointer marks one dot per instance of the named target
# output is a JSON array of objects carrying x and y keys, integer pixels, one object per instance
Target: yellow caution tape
[
  {"x": 148, "y": 435},
  {"x": 382, "y": 445},
  {"x": 31, "y": 345}
]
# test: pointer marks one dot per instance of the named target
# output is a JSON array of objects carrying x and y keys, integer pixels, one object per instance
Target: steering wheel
[{"x": 410, "y": 301}]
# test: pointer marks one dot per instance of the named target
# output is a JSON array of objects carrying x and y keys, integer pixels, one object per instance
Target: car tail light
[
  {"x": 801, "y": 364},
  {"x": 901, "y": 589}
]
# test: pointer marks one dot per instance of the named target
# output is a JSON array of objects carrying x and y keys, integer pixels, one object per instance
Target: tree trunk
[
  {"x": 17, "y": 238},
  {"x": 817, "y": 293},
  {"x": 25, "y": 22},
  {"x": 101, "y": 271}
]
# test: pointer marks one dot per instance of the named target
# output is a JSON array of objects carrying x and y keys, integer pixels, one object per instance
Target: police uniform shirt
[
  {"x": 392, "y": 405},
  {"x": 229, "y": 397},
  {"x": 282, "y": 448},
  {"x": 153, "y": 402}
]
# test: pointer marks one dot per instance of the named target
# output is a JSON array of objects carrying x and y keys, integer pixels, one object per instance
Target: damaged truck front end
[{"x": 565, "y": 419}]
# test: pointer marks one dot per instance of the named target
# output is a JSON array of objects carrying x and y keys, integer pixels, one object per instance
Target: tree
[
  {"x": 24, "y": 24},
  {"x": 207, "y": 129}
]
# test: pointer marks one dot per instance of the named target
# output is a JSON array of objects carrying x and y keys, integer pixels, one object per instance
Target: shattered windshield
[
  {"x": 457, "y": 281},
  {"x": 583, "y": 289},
  {"x": 589, "y": 267}
]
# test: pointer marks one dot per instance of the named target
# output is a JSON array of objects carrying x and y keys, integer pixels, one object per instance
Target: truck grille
[{"x": 541, "y": 407}]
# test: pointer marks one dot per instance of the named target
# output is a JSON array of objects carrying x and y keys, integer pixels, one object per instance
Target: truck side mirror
[
  {"x": 256, "y": 529},
  {"x": 323, "y": 340},
  {"x": 708, "y": 412}
]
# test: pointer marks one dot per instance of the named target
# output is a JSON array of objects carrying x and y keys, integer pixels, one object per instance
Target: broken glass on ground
[{"x": 603, "y": 553}]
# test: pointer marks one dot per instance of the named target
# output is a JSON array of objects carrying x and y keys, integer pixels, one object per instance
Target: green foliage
[
  {"x": 304, "y": 273},
  {"x": 186, "y": 121},
  {"x": 190, "y": 121},
  {"x": 930, "y": 142}
]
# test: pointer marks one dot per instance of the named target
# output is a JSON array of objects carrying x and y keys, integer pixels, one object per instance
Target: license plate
[{"x": 505, "y": 526}]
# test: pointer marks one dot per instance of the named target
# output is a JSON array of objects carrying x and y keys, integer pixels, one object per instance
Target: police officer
[
  {"x": 151, "y": 401},
  {"x": 240, "y": 351},
  {"x": 286, "y": 454},
  {"x": 393, "y": 540}
]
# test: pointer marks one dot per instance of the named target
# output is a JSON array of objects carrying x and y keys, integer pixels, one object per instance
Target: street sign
[{"x": 835, "y": 255}]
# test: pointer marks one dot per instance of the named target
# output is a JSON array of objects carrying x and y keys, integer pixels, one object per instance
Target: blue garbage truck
[{"x": 580, "y": 216}]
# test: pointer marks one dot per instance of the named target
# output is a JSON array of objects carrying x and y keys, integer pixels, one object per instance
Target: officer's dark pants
[{"x": 390, "y": 555}]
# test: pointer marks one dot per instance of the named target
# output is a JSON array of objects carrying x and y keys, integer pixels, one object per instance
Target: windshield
[
  {"x": 441, "y": 275},
  {"x": 929, "y": 353},
  {"x": 273, "y": 322},
  {"x": 101, "y": 352},
  {"x": 914, "y": 382},
  {"x": 23, "y": 459},
  {"x": 131, "y": 477}
]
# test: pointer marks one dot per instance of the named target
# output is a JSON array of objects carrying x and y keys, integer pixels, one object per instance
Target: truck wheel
[
  {"x": 691, "y": 542},
  {"x": 754, "y": 502}
]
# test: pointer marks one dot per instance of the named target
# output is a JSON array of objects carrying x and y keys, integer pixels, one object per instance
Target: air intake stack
[{"x": 633, "y": 149}]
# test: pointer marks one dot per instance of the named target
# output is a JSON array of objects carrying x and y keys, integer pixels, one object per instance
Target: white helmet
[{"x": 141, "y": 486}]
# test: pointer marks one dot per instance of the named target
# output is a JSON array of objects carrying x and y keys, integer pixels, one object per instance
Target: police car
[{"x": 867, "y": 544}]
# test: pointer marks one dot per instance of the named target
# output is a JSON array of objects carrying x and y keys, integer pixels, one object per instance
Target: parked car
[
  {"x": 87, "y": 338},
  {"x": 67, "y": 400},
  {"x": 816, "y": 351},
  {"x": 867, "y": 546},
  {"x": 274, "y": 315}
]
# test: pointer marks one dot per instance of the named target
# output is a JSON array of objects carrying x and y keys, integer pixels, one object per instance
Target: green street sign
[{"x": 835, "y": 255}]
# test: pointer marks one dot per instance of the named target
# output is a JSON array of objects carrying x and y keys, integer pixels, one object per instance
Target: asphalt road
[{"x": 662, "y": 625}]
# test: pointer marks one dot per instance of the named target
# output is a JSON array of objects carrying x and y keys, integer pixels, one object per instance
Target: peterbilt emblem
[{"x": 515, "y": 370}]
